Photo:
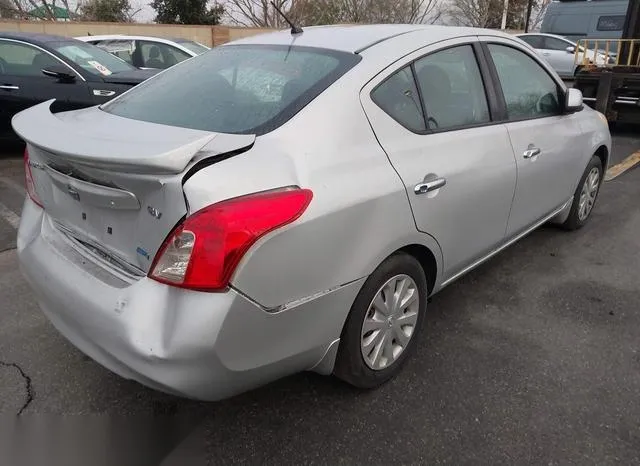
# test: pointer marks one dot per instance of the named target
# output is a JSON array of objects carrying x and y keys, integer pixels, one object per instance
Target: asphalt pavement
[{"x": 533, "y": 358}]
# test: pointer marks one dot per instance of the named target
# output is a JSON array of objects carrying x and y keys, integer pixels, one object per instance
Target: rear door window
[
  {"x": 23, "y": 60},
  {"x": 240, "y": 89},
  {"x": 537, "y": 42},
  {"x": 452, "y": 88}
]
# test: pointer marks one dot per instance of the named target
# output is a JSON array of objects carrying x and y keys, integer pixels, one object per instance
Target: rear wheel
[
  {"x": 385, "y": 319},
  {"x": 585, "y": 196}
]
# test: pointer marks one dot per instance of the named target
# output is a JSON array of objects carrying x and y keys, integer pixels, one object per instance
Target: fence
[{"x": 208, "y": 35}]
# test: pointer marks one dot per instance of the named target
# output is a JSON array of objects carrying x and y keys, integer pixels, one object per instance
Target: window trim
[
  {"x": 28, "y": 44},
  {"x": 562, "y": 94},
  {"x": 493, "y": 100}
]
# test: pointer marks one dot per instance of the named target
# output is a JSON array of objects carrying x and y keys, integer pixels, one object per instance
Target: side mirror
[
  {"x": 59, "y": 72},
  {"x": 571, "y": 49},
  {"x": 573, "y": 102}
]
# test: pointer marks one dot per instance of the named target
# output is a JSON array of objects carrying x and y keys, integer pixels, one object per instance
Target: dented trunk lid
[{"x": 112, "y": 184}]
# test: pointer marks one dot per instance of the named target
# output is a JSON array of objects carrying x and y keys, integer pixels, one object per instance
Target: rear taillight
[
  {"x": 203, "y": 252},
  {"x": 28, "y": 180}
]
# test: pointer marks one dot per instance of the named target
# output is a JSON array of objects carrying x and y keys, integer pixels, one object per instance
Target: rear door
[
  {"x": 548, "y": 145},
  {"x": 433, "y": 117}
]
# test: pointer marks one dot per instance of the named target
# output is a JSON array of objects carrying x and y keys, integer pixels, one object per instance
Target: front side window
[
  {"x": 240, "y": 89},
  {"x": 610, "y": 23},
  {"x": 90, "y": 58},
  {"x": 18, "y": 59},
  {"x": 398, "y": 97},
  {"x": 529, "y": 91},
  {"x": 452, "y": 88}
]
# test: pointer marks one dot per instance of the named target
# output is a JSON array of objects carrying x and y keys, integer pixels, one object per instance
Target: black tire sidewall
[
  {"x": 573, "y": 222},
  {"x": 350, "y": 365}
]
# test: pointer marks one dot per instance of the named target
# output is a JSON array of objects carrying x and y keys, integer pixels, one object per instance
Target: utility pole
[
  {"x": 505, "y": 10},
  {"x": 528, "y": 17}
]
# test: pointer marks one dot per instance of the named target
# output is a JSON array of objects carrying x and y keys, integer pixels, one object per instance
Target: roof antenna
[{"x": 294, "y": 29}]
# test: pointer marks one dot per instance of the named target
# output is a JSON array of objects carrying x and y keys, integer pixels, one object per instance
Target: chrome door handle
[
  {"x": 9, "y": 87},
  {"x": 531, "y": 152},
  {"x": 427, "y": 186}
]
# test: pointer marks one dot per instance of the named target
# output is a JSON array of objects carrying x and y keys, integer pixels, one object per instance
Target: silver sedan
[{"x": 288, "y": 202}]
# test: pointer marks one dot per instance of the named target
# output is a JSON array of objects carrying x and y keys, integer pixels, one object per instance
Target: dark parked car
[{"x": 39, "y": 67}]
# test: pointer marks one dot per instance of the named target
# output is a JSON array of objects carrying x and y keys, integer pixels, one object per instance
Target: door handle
[
  {"x": 9, "y": 87},
  {"x": 531, "y": 152},
  {"x": 427, "y": 186},
  {"x": 546, "y": 54}
]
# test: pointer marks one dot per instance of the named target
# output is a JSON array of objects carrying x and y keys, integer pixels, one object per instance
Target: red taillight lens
[
  {"x": 28, "y": 180},
  {"x": 203, "y": 252}
]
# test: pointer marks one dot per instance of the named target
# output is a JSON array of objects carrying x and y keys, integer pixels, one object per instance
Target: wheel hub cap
[
  {"x": 390, "y": 322},
  {"x": 588, "y": 194}
]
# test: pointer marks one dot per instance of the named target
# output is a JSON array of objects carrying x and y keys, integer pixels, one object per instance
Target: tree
[
  {"x": 259, "y": 13},
  {"x": 116, "y": 11},
  {"x": 187, "y": 12},
  {"x": 488, "y": 13},
  {"x": 313, "y": 12}
]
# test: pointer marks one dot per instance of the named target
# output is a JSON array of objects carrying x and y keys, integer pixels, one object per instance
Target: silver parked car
[
  {"x": 294, "y": 206},
  {"x": 561, "y": 53}
]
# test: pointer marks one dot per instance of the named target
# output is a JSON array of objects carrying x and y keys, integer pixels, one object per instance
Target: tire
[
  {"x": 577, "y": 218},
  {"x": 351, "y": 365}
]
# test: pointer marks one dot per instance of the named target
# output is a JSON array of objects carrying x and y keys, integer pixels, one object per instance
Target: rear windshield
[{"x": 240, "y": 89}]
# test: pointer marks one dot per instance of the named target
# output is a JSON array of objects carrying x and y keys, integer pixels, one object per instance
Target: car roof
[
  {"x": 127, "y": 36},
  {"x": 355, "y": 38},
  {"x": 34, "y": 38},
  {"x": 555, "y": 36}
]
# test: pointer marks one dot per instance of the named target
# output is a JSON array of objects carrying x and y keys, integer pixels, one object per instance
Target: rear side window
[
  {"x": 529, "y": 92},
  {"x": 239, "y": 89},
  {"x": 610, "y": 23},
  {"x": 398, "y": 97}
]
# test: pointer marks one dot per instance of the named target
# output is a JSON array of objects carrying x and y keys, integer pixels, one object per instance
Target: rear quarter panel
[{"x": 358, "y": 216}]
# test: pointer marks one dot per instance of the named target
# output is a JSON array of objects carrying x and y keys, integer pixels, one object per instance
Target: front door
[
  {"x": 555, "y": 51},
  {"x": 22, "y": 83},
  {"x": 547, "y": 144},
  {"x": 456, "y": 163}
]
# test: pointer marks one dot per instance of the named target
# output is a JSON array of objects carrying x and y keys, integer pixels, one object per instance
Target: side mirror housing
[
  {"x": 571, "y": 49},
  {"x": 573, "y": 102},
  {"x": 62, "y": 73}
]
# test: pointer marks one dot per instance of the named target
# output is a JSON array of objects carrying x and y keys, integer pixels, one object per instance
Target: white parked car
[
  {"x": 147, "y": 52},
  {"x": 560, "y": 52}
]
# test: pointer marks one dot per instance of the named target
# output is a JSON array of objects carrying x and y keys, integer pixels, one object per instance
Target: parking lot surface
[{"x": 533, "y": 358}]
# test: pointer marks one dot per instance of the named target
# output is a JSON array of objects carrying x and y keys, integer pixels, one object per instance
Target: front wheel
[
  {"x": 585, "y": 196},
  {"x": 384, "y": 321}
]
